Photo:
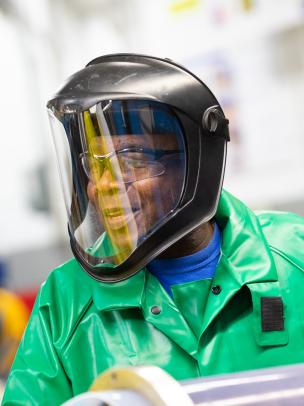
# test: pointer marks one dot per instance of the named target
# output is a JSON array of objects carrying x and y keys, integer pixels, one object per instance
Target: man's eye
[
  {"x": 136, "y": 156},
  {"x": 138, "y": 162}
]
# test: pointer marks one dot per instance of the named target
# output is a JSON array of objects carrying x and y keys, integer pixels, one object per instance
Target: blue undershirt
[{"x": 190, "y": 268}]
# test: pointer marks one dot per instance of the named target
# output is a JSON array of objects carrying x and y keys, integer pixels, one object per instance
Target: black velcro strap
[{"x": 272, "y": 313}]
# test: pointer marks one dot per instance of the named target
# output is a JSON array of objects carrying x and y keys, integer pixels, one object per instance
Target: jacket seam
[{"x": 286, "y": 257}]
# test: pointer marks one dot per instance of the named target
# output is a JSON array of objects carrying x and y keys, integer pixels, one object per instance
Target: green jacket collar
[{"x": 124, "y": 294}]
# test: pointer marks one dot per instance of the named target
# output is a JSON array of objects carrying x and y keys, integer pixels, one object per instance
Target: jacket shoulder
[
  {"x": 284, "y": 233},
  {"x": 64, "y": 298}
]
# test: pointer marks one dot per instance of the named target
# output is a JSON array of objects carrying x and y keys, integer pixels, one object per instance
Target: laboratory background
[{"x": 249, "y": 52}]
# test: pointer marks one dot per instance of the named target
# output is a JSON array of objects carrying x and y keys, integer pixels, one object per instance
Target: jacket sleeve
[{"x": 37, "y": 376}]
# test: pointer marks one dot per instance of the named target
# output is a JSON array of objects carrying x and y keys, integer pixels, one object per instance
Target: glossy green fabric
[{"x": 80, "y": 327}]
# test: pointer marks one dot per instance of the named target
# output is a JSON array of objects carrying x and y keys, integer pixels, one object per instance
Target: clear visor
[{"x": 123, "y": 167}]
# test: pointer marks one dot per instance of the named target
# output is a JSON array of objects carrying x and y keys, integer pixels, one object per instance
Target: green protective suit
[{"x": 254, "y": 318}]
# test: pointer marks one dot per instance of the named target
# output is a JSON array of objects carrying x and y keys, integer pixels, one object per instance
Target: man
[{"x": 168, "y": 270}]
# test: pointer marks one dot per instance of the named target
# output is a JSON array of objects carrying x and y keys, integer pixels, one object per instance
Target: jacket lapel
[
  {"x": 144, "y": 291},
  {"x": 169, "y": 321}
]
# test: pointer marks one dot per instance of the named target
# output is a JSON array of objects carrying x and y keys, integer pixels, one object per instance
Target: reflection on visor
[
  {"x": 133, "y": 157},
  {"x": 114, "y": 211}
]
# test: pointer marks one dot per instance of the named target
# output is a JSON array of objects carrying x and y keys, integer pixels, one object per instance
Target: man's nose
[{"x": 108, "y": 183}]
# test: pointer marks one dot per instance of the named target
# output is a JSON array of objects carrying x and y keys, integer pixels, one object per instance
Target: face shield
[
  {"x": 141, "y": 144},
  {"x": 123, "y": 169}
]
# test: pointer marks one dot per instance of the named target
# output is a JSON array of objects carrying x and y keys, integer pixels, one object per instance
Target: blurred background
[{"x": 249, "y": 52}]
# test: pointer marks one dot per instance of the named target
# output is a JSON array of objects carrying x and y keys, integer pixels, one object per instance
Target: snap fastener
[
  {"x": 216, "y": 290},
  {"x": 155, "y": 310}
]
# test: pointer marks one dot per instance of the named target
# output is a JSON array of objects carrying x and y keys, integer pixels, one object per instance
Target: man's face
[{"x": 131, "y": 200}]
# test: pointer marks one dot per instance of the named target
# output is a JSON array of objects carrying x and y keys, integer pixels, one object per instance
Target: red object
[{"x": 28, "y": 297}]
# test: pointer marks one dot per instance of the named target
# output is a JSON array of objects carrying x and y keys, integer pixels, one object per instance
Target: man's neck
[{"x": 193, "y": 242}]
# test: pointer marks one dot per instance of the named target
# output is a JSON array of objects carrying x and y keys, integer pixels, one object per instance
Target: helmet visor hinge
[{"x": 215, "y": 122}]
